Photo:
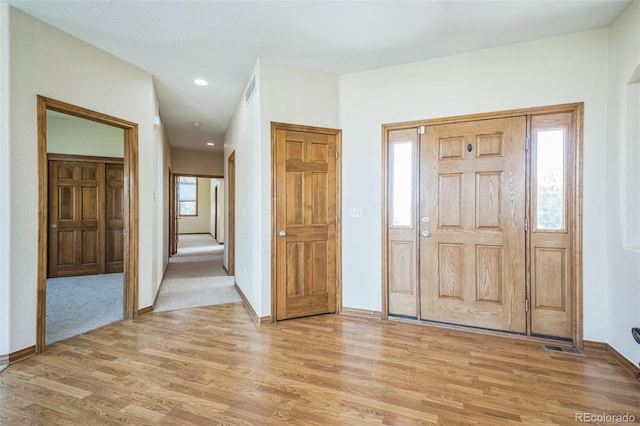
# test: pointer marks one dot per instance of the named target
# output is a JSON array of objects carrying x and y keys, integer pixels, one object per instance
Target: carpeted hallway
[{"x": 195, "y": 277}]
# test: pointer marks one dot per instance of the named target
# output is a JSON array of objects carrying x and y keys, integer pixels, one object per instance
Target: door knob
[
  {"x": 54, "y": 225},
  {"x": 282, "y": 233},
  {"x": 426, "y": 234}
]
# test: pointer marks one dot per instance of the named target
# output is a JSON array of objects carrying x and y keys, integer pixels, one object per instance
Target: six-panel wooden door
[
  {"x": 76, "y": 223},
  {"x": 472, "y": 216},
  {"x": 305, "y": 221},
  {"x": 86, "y": 218}
]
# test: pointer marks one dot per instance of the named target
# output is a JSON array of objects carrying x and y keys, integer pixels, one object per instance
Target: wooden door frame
[
  {"x": 338, "y": 135},
  {"x": 172, "y": 214},
  {"x": 577, "y": 109},
  {"x": 230, "y": 237},
  {"x": 131, "y": 241},
  {"x": 215, "y": 214}
]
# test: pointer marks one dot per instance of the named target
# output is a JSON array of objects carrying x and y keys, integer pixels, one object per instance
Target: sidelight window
[
  {"x": 550, "y": 179},
  {"x": 402, "y": 184}
]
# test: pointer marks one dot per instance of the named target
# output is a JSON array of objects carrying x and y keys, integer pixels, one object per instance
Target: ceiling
[{"x": 220, "y": 41}]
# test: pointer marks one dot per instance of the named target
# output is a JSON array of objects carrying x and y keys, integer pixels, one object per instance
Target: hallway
[{"x": 195, "y": 277}]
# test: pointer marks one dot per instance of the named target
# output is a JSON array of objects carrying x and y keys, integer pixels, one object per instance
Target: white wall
[
  {"x": 187, "y": 162},
  {"x": 67, "y": 134},
  {"x": 46, "y": 61},
  {"x": 557, "y": 70},
  {"x": 623, "y": 264},
  {"x": 5, "y": 195},
  {"x": 243, "y": 136},
  {"x": 201, "y": 223},
  {"x": 162, "y": 197}
]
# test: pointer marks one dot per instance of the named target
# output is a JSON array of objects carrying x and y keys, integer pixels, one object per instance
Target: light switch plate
[{"x": 355, "y": 212}]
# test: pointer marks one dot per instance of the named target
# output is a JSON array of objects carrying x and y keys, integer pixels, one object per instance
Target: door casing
[
  {"x": 576, "y": 198},
  {"x": 131, "y": 241},
  {"x": 302, "y": 128},
  {"x": 230, "y": 238}
]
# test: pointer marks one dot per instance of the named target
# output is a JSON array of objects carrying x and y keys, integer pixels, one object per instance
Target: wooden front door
[
  {"x": 114, "y": 217},
  {"x": 472, "y": 224},
  {"x": 76, "y": 222},
  {"x": 305, "y": 184}
]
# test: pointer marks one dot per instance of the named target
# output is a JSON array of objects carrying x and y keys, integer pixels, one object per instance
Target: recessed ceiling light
[
  {"x": 210, "y": 143},
  {"x": 201, "y": 82},
  {"x": 196, "y": 123}
]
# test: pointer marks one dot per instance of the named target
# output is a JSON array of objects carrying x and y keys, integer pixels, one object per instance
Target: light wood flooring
[{"x": 212, "y": 365}]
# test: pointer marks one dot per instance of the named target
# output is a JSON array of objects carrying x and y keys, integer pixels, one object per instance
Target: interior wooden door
[
  {"x": 114, "y": 217},
  {"x": 305, "y": 221},
  {"x": 472, "y": 224},
  {"x": 76, "y": 222}
]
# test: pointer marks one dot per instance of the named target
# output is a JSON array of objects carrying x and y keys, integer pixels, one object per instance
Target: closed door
[
  {"x": 305, "y": 220},
  {"x": 76, "y": 220},
  {"x": 472, "y": 224},
  {"x": 114, "y": 217}
]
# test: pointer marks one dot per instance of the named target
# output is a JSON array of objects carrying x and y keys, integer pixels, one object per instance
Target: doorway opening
[
  {"x": 196, "y": 207},
  {"x": 76, "y": 235},
  {"x": 482, "y": 222}
]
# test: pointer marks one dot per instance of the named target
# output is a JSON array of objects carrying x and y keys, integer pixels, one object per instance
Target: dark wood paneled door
[
  {"x": 472, "y": 224},
  {"x": 76, "y": 222},
  {"x": 305, "y": 221},
  {"x": 114, "y": 205}
]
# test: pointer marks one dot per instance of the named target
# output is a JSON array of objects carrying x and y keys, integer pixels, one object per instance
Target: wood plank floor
[{"x": 212, "y": 365}]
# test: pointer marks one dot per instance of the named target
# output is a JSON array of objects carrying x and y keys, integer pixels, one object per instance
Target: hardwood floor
[{"x": 212, "y": 365}]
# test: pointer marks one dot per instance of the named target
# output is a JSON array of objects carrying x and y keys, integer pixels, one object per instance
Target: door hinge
[
  {"x": 336, "y": 283},
  {"x": 526, "y": 224},
  {"x": 526, "y": 305},
  {"x": 527, "y": 141},
  {"x": 421, "y": 130},
  {"x": 336, "y": 154}
]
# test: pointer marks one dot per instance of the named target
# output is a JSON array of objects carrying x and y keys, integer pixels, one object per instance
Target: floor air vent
[{"x": 563, "y": 350}]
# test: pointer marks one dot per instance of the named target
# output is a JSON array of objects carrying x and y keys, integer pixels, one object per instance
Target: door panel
[
  {"x": 550, "y": 239},
  {"x": 472, "y": 192},
  {"x": 114, "y": 218},
  {"x": 402, "y": 246},
  {"x": 76, "y": 227},
  {"x": 305, "y": 180}
]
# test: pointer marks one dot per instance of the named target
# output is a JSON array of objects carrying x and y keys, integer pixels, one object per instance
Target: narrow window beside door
[{"x": 550, "y": 180}]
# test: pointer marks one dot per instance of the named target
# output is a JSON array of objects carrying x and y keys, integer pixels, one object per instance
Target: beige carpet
[{"x": 195, "y": 276}]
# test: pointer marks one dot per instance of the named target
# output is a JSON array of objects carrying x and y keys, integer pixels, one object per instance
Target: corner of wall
[{"x": 5, "y": 199}]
